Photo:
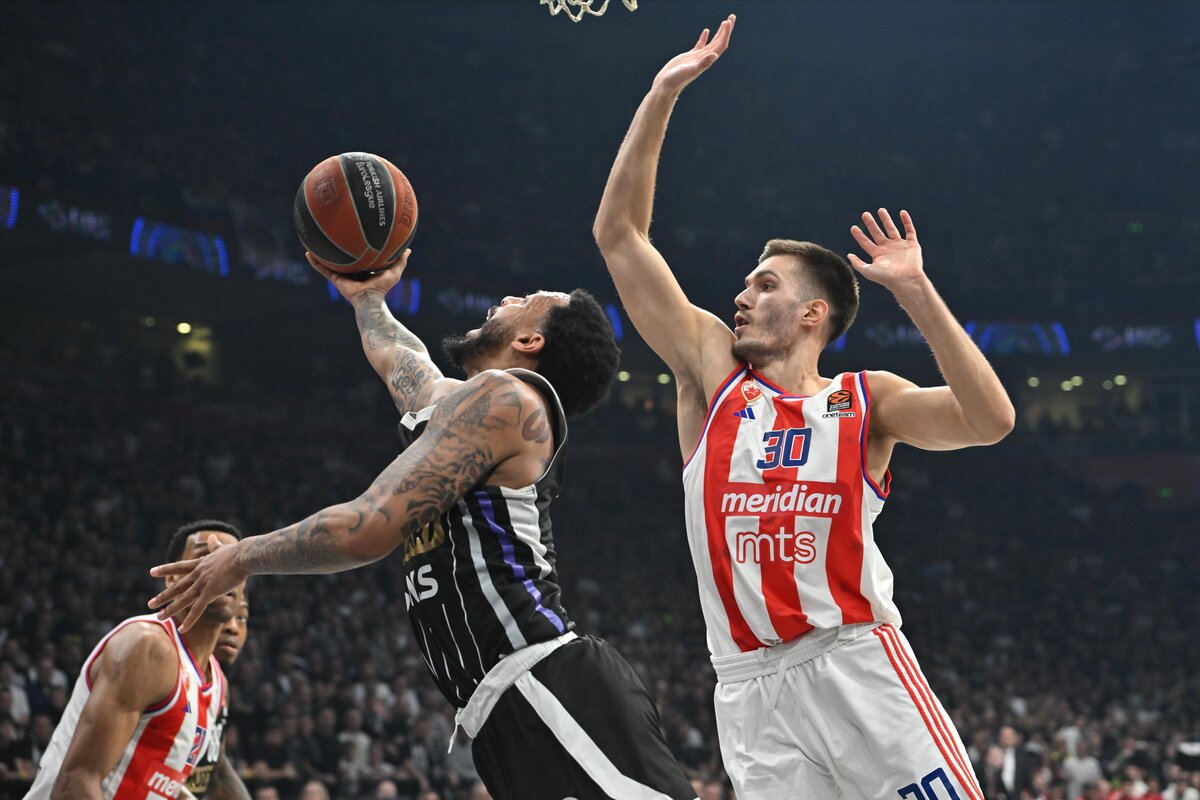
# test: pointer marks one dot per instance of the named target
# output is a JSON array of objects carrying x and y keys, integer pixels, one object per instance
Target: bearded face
[{"x": 466, "y": 350}]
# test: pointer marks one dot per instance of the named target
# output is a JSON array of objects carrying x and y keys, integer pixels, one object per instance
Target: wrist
[
  {"x": 662, "y": 93},
  {"x": 242, "y": 556},
  {"x": 914, "y": 293}
]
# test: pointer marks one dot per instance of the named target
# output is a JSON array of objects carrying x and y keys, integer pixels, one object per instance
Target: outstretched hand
[
  {"x": 895, "y": 258},
  {"x": 198, "y": 582},
  {"x": 354, "y": 285},
  {"x": 686, "y": 67}
]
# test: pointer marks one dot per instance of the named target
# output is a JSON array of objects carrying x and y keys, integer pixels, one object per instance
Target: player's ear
[
  {"x": 815, "y": 312},
  {"x": 529, "y": 343}
]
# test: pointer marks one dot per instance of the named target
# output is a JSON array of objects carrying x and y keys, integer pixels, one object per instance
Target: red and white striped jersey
[
  {"x": 169, "y": 736},
  {"x": 779, "y": 511}
]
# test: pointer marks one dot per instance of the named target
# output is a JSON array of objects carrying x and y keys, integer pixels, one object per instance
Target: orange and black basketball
[{"x": 355, "y": 212}]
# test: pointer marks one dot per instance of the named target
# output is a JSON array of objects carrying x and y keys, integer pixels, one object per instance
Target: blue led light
[
  {"x": 14, "y": 200},
  {"x": 839, "y": 344},
  {"x": 135, "y": 239},
  {"x": 222, "y": 255},
  {"x": 1061, "y": 333},
  {"x": 414, "y": 300},
  {"x": 614, "y": 316},
  {"x": 155, "y": 235}
]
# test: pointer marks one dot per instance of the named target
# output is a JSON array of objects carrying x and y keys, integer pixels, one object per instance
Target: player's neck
[
  {"x": 201, "y": 640},
  {"x": 796, "y": 372}
]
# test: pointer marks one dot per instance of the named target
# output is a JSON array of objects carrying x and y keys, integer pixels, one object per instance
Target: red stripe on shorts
[{"x": 929, "y": 716}]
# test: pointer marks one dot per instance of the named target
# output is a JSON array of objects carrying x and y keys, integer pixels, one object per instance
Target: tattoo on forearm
[
  {"x": 454, "y": 454},
  {"x": 379, "y": 329},
  {"x": 410, "y": 377}
]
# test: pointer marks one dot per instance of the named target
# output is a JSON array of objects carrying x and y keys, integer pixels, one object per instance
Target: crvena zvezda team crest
[{"x": 750, "y": 391}]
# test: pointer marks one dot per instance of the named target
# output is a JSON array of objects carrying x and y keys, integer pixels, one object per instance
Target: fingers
[
  {"x": 173, "y": 590},
  {"x": 183, "y": 602},
  {"x": 910, "y": 230},
  {"x": 703, "y": 40},
  {"x": 856, "y": 262},
  {"x": 214, "y": 543},
  {"x": 194, "y": 615},
  {"x": 863, "y": 241},
  {"x": 721, "y": 40},
  {"x": 174, "y": 568},
  {"x": 321, "y": 268},
  {"x": 873, "y": 228},
  {"x": 888, "y": 225}
]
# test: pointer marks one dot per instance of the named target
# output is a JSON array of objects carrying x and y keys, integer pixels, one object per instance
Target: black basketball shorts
[{"x": 578, "y": 725}]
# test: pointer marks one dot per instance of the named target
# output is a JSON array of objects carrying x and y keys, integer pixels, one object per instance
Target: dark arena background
[{"x": 168, "y": 355}]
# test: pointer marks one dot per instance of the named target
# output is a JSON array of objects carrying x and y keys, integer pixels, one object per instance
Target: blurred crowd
[{"x": 1052, "y": 619}]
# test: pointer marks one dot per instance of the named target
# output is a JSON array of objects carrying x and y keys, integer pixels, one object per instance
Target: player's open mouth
[{"x": 740, "y": 322}]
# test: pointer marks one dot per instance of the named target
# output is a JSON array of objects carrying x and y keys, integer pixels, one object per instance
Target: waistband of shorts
[
  {"x": 769, "y": 660},
  {"x": 498, "y": 680}
]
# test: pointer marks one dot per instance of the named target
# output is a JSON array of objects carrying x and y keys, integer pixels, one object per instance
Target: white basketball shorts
[{"x": 839, "y": 713}]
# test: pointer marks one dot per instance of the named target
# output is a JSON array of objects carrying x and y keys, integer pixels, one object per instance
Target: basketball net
[{"x": 575, "y": 9}]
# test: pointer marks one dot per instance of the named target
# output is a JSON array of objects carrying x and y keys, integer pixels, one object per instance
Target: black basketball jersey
[{"x": 481, "y": 581}]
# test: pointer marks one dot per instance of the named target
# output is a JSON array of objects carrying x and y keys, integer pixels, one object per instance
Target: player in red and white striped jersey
[
  {"x": 818, "y": 694},
  {"x": 142, "y": 711}
]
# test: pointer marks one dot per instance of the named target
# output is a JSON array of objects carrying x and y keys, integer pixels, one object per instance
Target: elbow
[
  {"x": 1000, "y": 425},
  {"x": 610, "y": 234}
]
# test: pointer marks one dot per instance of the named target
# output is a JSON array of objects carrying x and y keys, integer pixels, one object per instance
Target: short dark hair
[
  {"x": 180, "y": 537},
  {"x": 830, "y": 274},
  {"x": 580, "y": 355}
]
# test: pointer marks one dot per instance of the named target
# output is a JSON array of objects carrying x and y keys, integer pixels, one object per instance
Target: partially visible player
[
  {"x": 144, "y": 705},
  {"x": 214, "y": 777},
  {"x": 785, "y": 470}
]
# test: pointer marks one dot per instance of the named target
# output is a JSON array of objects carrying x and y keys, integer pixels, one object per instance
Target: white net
[{"x": 575, "y": 9}]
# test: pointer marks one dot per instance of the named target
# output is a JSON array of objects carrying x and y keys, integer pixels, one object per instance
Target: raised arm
[
  {"x": 972, "y": 408},
  {"x": 672, "y": 326},
  {"x": 138, "y": 668},
  {"x": 474, "y": 429},
  {"x": 395, "y": 353}
]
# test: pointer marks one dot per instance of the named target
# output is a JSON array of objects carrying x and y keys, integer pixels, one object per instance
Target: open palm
[
  {"x": 686, "y": 67},
  {"x": 895, "y": 258}
]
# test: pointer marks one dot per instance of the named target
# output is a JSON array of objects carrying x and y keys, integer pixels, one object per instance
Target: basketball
[{"x": 355, "y": 212}]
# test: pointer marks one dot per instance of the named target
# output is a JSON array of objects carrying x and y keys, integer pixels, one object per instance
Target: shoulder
[
  {"x": 140, "y": 660},
  {"x": 882, "y": 385},
  {"x": 140, "y": 644},
  {"x": 492, "y": 400}
]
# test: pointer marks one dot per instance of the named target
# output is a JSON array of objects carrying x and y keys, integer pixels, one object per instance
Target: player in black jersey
[
  {"x": 213, "y": 777},
  {"x": 552, "y": 714}
]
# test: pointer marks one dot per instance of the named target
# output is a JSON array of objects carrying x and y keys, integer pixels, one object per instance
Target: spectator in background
[
  {"x": 1081, "y": 769},
  {"x": 16, "y": 706},
  {"x": 1016, "y": 767}
]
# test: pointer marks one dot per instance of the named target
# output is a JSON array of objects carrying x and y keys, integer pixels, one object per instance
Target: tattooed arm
[
  {"x": 489, "y": 420},
  {"x": 395, "y": 353}
]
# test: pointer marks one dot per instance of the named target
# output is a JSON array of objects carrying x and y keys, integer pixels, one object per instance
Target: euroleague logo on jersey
[{"x": 840, "y": 404}]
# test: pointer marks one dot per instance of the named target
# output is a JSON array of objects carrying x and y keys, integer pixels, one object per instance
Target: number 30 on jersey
[{"x": 787, "y": 448}]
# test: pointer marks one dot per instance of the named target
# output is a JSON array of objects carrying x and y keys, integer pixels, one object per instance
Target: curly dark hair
[
  {"x": 580, "y": 355},
  {"x": 180, "y": 537}
]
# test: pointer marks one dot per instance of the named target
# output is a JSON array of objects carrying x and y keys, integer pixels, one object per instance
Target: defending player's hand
[
  {"x": 686, "y": 67},
  {"x": 198, "y": 582},
  {"x": 352, "y": 286},
  {"x": 895, "y": 259}
]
